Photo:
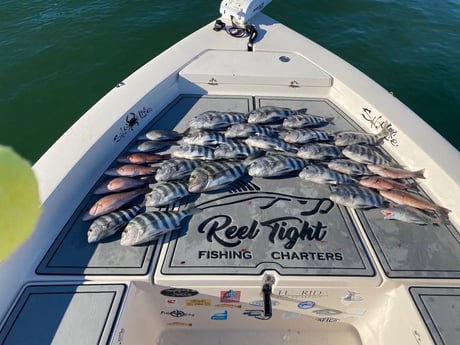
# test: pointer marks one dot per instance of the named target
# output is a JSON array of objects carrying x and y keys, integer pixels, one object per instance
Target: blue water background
[{"x": 57, "y": 58}]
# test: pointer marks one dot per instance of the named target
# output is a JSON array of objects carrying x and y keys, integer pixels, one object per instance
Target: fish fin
[
  {"x": 302, "y": 111},
  {"x": 420, "y": 173},
  {"x": 330, "y": 120}
]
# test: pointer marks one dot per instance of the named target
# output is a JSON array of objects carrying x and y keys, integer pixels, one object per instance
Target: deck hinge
[
  {"x": 212, "y": 81},
  {"x": 294, "y": 84}
]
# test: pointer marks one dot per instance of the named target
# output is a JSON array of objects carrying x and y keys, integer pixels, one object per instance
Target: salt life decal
[
  {"x": 131, "y": 121},
  {"x": 378, "y": 122}
]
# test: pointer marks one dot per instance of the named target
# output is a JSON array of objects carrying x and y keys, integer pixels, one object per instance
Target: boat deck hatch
[
  {"x": 440, "y": 310},
  {"x": 63, "y": 314},
  {"x": 284, "y": 224}
]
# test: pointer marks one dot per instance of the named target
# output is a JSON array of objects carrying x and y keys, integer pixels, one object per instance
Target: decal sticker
[
  {"x": 179, "y": 324},
  {"x": 198, "y": 302},
  {"x": 327, "y": 312},
  {"x": 173, "y": 292},
  {"x": 260, "y": 303},
  {"x": 230, "y": 296},
  {"x": 256, "y": 314},
  {"x": 220, "y": 316},
  {"x": 298, "y": 294},
  {"x": 131, "y": 120},
  {"x": 306, "y": 305},
  {"x": 290, "y": 315},
  {"x": 228, "y": 305},
  {"x": 352, "y": 296},
  {"x": 171, "y": 302},
  {"x": 378, "y": 122},
  {"x": 177, "y": 313},
  {"x": 327, "y": 319}
]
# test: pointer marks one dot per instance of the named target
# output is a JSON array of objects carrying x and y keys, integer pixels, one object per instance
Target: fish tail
[
  {"x": 419, "y": 173},
  {"x": 443, "y": 210},
  {"x": 302, "y": 111},
  {"x": 330, "y": 120}
]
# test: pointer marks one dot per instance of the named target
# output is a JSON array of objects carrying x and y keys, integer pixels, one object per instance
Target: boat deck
[{"x": 332, "y": 264}]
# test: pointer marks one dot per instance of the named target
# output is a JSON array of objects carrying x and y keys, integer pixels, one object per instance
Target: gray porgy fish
[
  {"x": 217, "y": 120},
  {"x": 245, "y": 130},
  {"x": 215, "y": 175},
  {"x": 131, "y": 170},
  {"x": 236, "y": 150},
  {"x": 352, "y": 138},
  {"x": 193, "y": 152},
  {"x": 148, "y": 226},
  {"x": 204, "y": 138},
  {"x": 165, "y": 193},
  {"x": 349, "y": 167},
  {"x": 161, "y": 135},
  {"x": 306, "y": 120},
  {"x": 306, "y": 135},
  {"x": 354, "y": 196},
  {"x": 319, "y": 151},
  {"x": 175, "y": 169},
  {"x": 108, "y": 224},
  {"x": 112, "y": 202},
  {"x": 271, "y": 114},
  {"x": 412, "y": 215},
  {"x": 269, "y": 143},
  {"x": 320, "y": 174},
  {"x": 275, "y": 165},
  {"x": 151, "y": 146},
  {"x": 365, "y": 154},
  {"x": 392, "y": 172},
  {"x": 119, "y": 184}
]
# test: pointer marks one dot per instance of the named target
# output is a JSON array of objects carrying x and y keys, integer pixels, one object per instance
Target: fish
[
  {"x": 383, "y": 183},
  {"x": 236, "y": 150},
  {"x": 119, "y": 184},
  {"x": 269, "y": 143},
  {"x": 193, "y": 152},
  {"x": 165, "y": 193},
  {"x": 204, "y": 138},
  {"x": 142, "y": 158},
  {"x": 349, "y": 167},
  {"x": 245, "y": 130},
  {"x": 410, "y": 199},
  {"x": 320, "y": 174},
  {"x": 108, "y": 224},
  {"x": 161, "y": 135},
  {"x": 175, "y": 169},
  {"x": 148, "y": 226},
  {"x": 271, "y": 114},
  {"x": 217, "y": 120},
  {"x": 112, "y": 202},
  {"x": 391, "y": 172},
  {"x": 275, "y": 165},
  {"x": 319, "y": 151},
  {"x": 306, "y": 135},
  {"x": 215, "y": 175},
  {"x": 365, "y": 154},
  {"x": 131, "y": 170},
  {"x": 151, "y": 146},
  {"x": 355, "y": 196},
  {"x": 306, "y": 120},
  {"x": 346, "y": 138},
  {"x": 412, "y": 215}
]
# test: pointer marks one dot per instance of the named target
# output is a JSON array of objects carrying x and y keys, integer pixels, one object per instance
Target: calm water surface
[{"x": 57, "y": 58}]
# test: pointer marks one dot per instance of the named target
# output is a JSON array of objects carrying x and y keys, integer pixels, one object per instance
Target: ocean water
[{"x": 57, "y": 58}]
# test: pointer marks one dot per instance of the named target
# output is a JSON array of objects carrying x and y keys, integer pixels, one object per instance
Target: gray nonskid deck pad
[
  {"x": 63, "y": 314},
  {"x": 440, "y": 310}
]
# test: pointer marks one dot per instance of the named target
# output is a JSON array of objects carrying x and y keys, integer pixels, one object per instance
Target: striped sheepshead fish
[
  {"x": 319, "y": 151},
  {"x": 236, "y": 150},
  {"x": 320, "y": 174},
  {"x": 269, "y": 143},
  {"x": 275, "y": 165},
  {"x": 349, "y": 167},
  {"x": 217, "y": 120},
  {"x": 271, "y": 114},
  {"x": 193, "y": 152},
  {"x": 245, "y": 130},
  {"x": 175, "y": 169},
  {"x": 306, "y": 135},
  {"x": 365, "y": 154},
  {"x": 215, "y": 175},
  {"x": 149, "y": 226},
  {"x": 204, "y": 138},
  {"x": 352, "y": 138},
  {"x": 306, "y": 120},
  {"x": 354, "y": 196},
  {"x": 107, "y": 225},
  {"x": 165, "y": 193}
]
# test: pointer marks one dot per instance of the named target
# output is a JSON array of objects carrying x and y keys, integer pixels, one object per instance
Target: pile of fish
[{"x": 219, "y": 148}]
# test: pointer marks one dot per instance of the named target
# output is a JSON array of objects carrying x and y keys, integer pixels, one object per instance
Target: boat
[{"x": 265, "y": 259}]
